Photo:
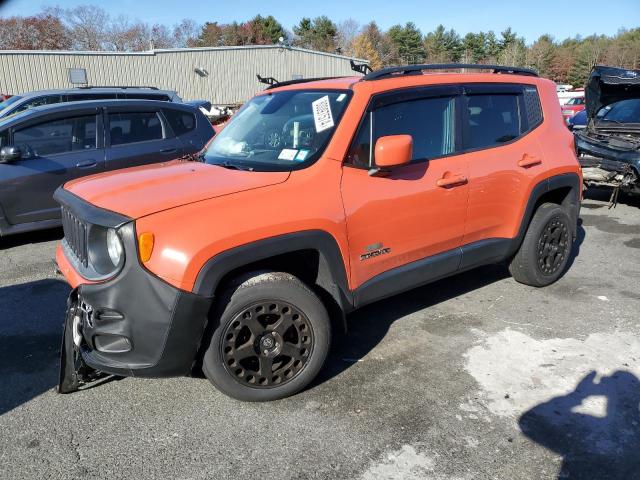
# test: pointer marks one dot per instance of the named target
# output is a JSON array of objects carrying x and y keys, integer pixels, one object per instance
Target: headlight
[
  {"x": 114, "y": 246},
  {"x": 105, "y": 250}
]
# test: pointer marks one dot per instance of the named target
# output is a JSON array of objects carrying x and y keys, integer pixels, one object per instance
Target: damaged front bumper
[{"x": 606, "y": 166}]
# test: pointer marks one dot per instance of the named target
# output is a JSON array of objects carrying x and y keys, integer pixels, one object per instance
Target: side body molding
[{"x": 331, "y": 273}]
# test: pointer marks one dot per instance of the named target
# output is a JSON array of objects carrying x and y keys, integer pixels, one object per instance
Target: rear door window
[
  {"x": 57, "y": 136},
  {"x": 493, "y": 119},
  {"x": 134, "y": 127},
  {"x": 181, "y": 122}
]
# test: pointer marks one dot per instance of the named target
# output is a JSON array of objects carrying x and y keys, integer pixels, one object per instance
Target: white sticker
[
  {"x": 341, "y": 97},
  {"x": 322, "y": 114},
  {"x": 302, "y": 155},
  {"x": 287, "y": 154}
]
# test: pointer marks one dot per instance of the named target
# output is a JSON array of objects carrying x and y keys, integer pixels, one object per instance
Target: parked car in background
[
  {"x": 578, "y": 121},
  {"x": 318, "y": 197},
  {"x": 564, "y": 97},
  {"x": 50, "y": 145},
  {"x": 25, "y": 101},
  {"x": 573, "y": 106},
  {"x": 609, "y": 148}
]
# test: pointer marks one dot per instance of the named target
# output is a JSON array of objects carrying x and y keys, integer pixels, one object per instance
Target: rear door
[
  {"x": 55, "y": 150},
  {"x": 504, "y": 155},
  {"x": 138, "y": 136}
]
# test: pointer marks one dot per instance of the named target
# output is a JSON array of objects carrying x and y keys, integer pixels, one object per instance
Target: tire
[
  {"x": 544, "y": 254},
  {"x": 271, "y": 340}
]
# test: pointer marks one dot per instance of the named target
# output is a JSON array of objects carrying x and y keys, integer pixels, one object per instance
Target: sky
[{"x": 529, "y": 19}]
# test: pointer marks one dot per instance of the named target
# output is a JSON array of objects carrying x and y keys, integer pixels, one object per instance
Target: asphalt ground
[{"x": 475, "y": 376}]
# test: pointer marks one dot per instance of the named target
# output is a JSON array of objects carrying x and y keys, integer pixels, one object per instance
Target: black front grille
[{"x": 75, "y": 234}]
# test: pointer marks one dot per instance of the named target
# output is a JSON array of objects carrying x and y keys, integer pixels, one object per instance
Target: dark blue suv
[{"x": 44, "y": 147}]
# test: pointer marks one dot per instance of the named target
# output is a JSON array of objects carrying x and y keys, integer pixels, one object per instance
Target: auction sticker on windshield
[{"x": 322, "y": 114}]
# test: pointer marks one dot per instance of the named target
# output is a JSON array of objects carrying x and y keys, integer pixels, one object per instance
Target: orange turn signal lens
[{"x": 145, "y": 245}]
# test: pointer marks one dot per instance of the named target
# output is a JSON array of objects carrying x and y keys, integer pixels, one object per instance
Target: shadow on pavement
[
  {"x": 603, "y": 195},
  {"x": 30, "y": 334},
  {"x": 369, "y": 325},
  {"x": 594, "y": 444},
  {"x": 30, "y": 237}
]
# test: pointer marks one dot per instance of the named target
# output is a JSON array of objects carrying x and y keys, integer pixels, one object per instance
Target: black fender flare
[
  {"x": 570, "y": 180},
  {"x": 331, "y": 268}
]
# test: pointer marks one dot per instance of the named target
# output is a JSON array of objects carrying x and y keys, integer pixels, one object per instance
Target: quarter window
[
  {"x": 493, "y": 119},
  {"x": 429, "y": 121},
  {"x": 57, "y": 136},
  {"x": 181, "y": 122},
  {"x": 134, "y": 127}
]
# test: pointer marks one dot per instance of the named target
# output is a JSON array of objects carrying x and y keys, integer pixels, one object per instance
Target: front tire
[
  {"x": 272, "y": 338},
  {"x": 544, "y": 254}
]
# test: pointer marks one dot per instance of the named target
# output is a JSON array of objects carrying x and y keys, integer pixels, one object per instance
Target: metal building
[{"x": 222, "y": 75}]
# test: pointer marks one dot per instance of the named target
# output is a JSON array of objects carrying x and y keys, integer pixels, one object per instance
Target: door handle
[
  {"x": 86, "y": 164},
  {"x": 168, "y": 150},
  {"x": 529, "y": 161},
  {"x": 452, "y": 181}
]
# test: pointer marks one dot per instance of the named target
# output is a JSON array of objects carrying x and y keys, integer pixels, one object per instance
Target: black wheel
[
  {"x": 545, "y": 250},
  {"x": 272, "y": 338}
]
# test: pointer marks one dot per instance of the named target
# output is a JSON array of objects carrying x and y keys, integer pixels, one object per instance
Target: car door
[
  {"x": 410, "y": 222},
  {"x": 138, "y": 136},
  {"x": 54, "y": 151},
  {"x": 504, "y": 156}
]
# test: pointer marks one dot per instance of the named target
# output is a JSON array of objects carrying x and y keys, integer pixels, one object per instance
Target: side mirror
[
  {"x": 10, "y": 154},
  {"x": 392, "y": 151}
]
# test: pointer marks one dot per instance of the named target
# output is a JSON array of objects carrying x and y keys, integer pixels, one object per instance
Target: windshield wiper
[{"x": 234, "y": 166}]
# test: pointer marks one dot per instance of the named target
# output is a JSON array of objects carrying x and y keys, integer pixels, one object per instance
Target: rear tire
[
  {"x": 272, "y": 338},
  {"x": 544, "y": 254}
]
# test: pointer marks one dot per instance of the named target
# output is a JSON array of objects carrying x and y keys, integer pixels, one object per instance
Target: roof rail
[
  {"x": 273, "y": 83},
  {"x": 362, "y": 68},
  {"x": 417, "y": 69},
  {"x": 267, "y": 80},
  {"x": 118, "y": 86}
]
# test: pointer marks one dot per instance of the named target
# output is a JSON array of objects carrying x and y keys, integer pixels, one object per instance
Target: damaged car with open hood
[{"x": 609, "y": 148}]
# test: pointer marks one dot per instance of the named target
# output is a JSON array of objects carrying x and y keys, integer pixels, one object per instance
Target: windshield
[
  {"x": 624, "y": 111},
  {"x": 576, "y": 101},
  {"x": 279, "y": 131},
  {"x": 9, "y": 101}
]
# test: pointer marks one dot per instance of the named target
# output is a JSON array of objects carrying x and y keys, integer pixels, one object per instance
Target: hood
[
  {"x": 607, "y": 85},
  {"x": 139, "y": 191}
]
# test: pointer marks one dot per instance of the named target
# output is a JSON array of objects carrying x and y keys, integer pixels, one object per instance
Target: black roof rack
[
  {"x": 118, "y": 86},
  {"x": 417, "y": 69},
  {"x": 267, "y": 80},
  {"x": 273, "y": 83},
  {"x": 362, "y": 68}
]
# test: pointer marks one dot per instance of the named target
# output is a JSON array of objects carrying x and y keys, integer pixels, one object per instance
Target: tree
[
  {"x": 348, "y": 30},
  {"x": 384, "y": 45},
  {"x": 185, "y": 34},
  {"x": 363, "y": 48},
  {"x": 317, "y": 34},
  {"x": 442, "y": 46},
  {"x": 87, "y": 25},
  {"x": 541, "y": 55},
  {"x": 41, "y": 32},
  {"x": 473, "y": 47},
  {"x": 408, "y": 40},
  {"x": 262, "y": 31}
]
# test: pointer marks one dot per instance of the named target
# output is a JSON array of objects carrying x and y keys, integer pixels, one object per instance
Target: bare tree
[
  {"x": 348, "y": 30},
  {"x": 88, "y": 26},
  {"x": 186, "y": 33}
]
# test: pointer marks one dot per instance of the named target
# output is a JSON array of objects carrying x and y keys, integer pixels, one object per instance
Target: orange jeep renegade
[{"x": 319, "y": 196}]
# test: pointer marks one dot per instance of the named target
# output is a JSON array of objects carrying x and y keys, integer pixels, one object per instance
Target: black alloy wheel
[
  {"x": 553, "y": 246},
  {"x": 267, "y": 344}
]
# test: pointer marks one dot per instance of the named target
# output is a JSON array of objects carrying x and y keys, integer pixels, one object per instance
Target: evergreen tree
[{"x": 408, "y": 40}]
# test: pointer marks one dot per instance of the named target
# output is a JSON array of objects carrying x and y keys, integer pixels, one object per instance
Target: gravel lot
[{"x": 472, "y": 377}]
